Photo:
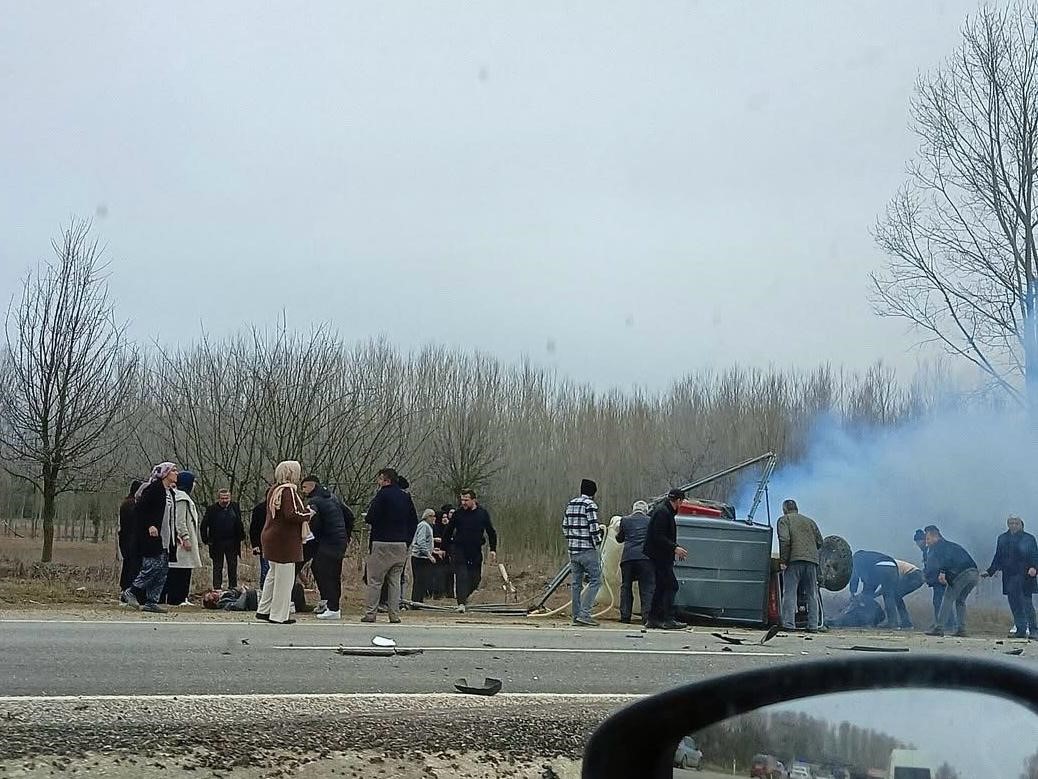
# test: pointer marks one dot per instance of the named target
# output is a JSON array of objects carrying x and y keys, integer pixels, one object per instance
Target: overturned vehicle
[{"x": 731, "y": 574}]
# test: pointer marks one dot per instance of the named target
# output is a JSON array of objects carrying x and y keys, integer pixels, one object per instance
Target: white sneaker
[
  {"x": 187, "y": 603},
  {"x": 461, "y": 609},
  {"x": 329, "y": 614},
  {"x": 292, "y": 609}
]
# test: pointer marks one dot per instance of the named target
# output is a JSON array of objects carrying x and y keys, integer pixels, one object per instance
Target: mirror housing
[{"x": 640, "y": 739}]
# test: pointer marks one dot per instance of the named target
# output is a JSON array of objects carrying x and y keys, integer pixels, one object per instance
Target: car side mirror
[{"x": 919, "y": 717}]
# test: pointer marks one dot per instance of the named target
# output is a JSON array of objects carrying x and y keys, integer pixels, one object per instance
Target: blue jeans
[
  {"x": 585, "y": 563},
  {"x": 795, "y": 573},
  {"x": 151, "y": 579}
]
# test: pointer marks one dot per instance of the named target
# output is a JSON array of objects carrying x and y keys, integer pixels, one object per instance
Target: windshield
[{"x": 406, "y": 388}]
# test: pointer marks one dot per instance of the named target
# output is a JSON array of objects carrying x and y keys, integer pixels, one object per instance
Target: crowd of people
[
  {"x": 299, "y": 522},
  {"x": 952, "y": 575},
  {"x": 440, "y": 554}
]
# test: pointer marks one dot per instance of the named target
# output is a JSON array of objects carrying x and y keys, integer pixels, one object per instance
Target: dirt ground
[{"x": 86, "y": 574}]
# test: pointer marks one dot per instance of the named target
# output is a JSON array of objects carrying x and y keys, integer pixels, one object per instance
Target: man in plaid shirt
[{"x": 584, "y": 538}]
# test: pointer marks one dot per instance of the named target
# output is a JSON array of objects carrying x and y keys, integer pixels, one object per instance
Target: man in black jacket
[
  {"x": 332, "y": 525},
  {"x": 393, "y": 520},
  {"x": 949, "y": 564},
  {"x": 465, "y": 535},
  {"x": 1016, "y": 556},
  {"x": 223, "y": 532},
  {"x": 256, "y": 523},
  {"x": 661, "y": 547}
]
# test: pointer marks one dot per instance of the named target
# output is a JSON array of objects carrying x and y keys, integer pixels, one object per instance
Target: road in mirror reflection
[{"x": 891, "y": 734}]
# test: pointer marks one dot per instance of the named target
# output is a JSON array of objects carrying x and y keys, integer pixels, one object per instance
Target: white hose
[{"x": 565, "y": 606}]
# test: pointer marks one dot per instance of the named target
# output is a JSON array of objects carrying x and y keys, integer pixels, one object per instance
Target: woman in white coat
[{"x": 185, "y": 515}]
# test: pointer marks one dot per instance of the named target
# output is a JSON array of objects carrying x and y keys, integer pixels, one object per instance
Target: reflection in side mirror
[{"x": 885, "y": 734}]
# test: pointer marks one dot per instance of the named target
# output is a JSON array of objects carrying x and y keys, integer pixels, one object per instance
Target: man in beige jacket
[{"x": 799, "y": 542}]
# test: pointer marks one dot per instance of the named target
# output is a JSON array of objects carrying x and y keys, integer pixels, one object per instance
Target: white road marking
[
  {"x": 518, "y": 696},
  {"x": 552, "y": 650}
]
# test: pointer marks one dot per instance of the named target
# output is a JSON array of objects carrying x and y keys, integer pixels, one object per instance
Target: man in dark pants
[
  {"x": 661, "y": 548},
  {"x": 878, "y": 575},
  {"x": 467, "y": 531},
  {"x": 634, "y": 565},
  {"x": 223, "y": 532},
  {"x": 949, "y": 564},
  {"x": 799, "y": 542},
  {"x": 937, "y": 589},
  {"x": 332, "y": 525},
  {"x": 256, "y": 523},
  {"x": 1016, "y": 556}
]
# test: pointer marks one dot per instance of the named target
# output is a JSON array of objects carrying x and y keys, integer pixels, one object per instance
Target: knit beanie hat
[
  {"x": 588, "y": 487},
  {"x": 186, "y": 481}
]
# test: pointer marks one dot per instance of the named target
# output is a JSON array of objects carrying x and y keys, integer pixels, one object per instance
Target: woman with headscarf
[
  {"x": 156, "y": 541},
  {"x": 131, "y": 557},
  {"x": 185, "y": 522},
  {"x": 282, "y": 542}
]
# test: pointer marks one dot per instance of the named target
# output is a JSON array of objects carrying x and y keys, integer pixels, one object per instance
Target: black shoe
[
  {"x": 937, "y": 632},
  {"x": 154, "y": 608},
  {"x": 262, "y": 617},
  {"x": 669, "y": 625},
  {"x": 680, "y": 625},
  {"x": 288, "y": 621},
  {"x": 130, "y": 598},
  {"x": 961, "y": 634},
  {"x": 625, "y": 620}
]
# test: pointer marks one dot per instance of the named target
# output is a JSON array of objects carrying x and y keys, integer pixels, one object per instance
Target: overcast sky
[{"x": 624, "y": 191}]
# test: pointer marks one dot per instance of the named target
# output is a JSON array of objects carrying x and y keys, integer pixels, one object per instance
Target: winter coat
[
  {"x": 632, "y": 533},
  {"x": 661, "y": 536},
  {"x": 256, "y": 523},
  {"x": 282, "y": 539},
  {"x": 799, "y": 539},
  {"x": 1015, "y": 553},
  {"x": 948, "y": 558},
  {"x": 222, "y": 526},
  {"x": 127, "y": 529},
  {"x": 185, "y": 521},
  {"x": 466, "y": 532},
  {"x": 332, "y": 524},
  {"x": 150, "y": 512},
  {"x": 392, "y": 516}
]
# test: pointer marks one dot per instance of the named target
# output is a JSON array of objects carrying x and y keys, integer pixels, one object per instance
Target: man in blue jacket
[
  {"x": 393, "y": 522},
  {"x": 1016, "y": 556},
  {"x": 949, "y": 564}
]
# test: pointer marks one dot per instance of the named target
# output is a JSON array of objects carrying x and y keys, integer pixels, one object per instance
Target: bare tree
[
  {"x": 961, "y": 233},
  {"x": 69, "y": 377}
]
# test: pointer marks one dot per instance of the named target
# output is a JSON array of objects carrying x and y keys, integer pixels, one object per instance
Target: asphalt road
[
  {"x": 136, "y": 696},
  {"x": 138, "y": 657}
]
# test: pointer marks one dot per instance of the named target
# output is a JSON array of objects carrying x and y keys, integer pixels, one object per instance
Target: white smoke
[{"x": 964, "y": 471}]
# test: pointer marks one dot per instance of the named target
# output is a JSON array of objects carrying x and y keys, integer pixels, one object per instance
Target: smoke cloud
[{"x": 964, "y": 471}]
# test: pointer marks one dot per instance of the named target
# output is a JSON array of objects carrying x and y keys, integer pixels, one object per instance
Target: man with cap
[
  {"x": 799, "y": 542},
  {"x": 949, "y": 564},
  {"x": 583, "y": 540},
  {"x": 937, "y": 589},
  {"x": 634, "y": 565},
  {"x": 661, "y": 548},
  {"x": 1016, "y": 556}
]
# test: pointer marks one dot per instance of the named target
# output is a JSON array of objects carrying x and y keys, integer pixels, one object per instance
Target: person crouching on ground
[
  {"x": 185, "y": 522},
  {"x": 153, "y": 511},
  {"x": 282, "y": 542}
]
